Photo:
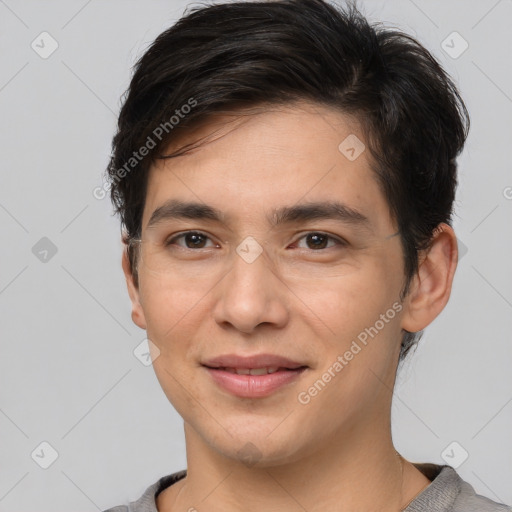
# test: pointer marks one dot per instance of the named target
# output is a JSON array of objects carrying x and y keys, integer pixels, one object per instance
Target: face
[{"x": 295, "y": 259}]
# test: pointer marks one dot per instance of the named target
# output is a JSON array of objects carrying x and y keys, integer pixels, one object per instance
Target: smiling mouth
[
  {"x": 254, "y": 382},
  {"x": 257, "y": 371}
]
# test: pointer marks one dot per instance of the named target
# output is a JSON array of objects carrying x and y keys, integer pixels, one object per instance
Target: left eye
[
  {"x": 193, "y": 240},
  {"x": 317, "y": 241}
]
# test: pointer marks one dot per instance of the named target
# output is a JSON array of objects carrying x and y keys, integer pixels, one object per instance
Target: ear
[
  {"x": 431, "y": 286},
  {"x": 138, "y": 316}
]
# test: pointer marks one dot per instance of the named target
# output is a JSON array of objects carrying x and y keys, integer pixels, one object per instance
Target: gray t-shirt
[{"x": 447, "y": 493}]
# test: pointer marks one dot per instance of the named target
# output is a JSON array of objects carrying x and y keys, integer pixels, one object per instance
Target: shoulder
[
  {"x": 448, "y": 492},
  {"x": 469, "y": 501},
  {"x": 147, "y": 502}
]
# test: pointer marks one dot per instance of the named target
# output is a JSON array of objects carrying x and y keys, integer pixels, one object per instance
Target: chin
[{"x": 257, "y": 447}]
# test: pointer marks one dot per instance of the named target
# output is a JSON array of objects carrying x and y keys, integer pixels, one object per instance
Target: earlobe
[
  {"x": 431, "y": 286},
  {"x": 138, "y": 316}
]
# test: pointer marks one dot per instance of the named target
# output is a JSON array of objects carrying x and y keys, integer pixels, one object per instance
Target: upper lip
[{"x": 254, "y": 361}]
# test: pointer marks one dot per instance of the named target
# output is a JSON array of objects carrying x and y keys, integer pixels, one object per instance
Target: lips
[
  {"x": 254, "y": 371},
  {"x": 251, "y": 362},
  {"x": 253, "y": 376}
]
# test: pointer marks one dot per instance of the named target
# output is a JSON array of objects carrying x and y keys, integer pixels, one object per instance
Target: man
[{"x": 285, "y": 175}]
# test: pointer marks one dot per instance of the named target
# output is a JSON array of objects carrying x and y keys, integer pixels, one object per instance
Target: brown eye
[
  {"x": 317, "y": 241},
  {"x": 192, "y": 240}
]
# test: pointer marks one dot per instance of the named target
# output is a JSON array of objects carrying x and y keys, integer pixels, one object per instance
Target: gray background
[{"x": 68, "y": 372}]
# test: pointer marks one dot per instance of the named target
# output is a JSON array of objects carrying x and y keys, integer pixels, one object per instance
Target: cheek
[
  {"x": 361, "y": 350},
  {"x": 349, "y": 303},
  {"x": 171, "y": 311},
  {"x": 363, "y": 315},
  {"x": 172, "y": 315}
]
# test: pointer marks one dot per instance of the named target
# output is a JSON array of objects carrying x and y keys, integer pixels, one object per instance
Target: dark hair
[{"x": 244, "y": 54}]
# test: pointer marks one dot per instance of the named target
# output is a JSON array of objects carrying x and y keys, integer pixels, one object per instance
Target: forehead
[{"x": 249, "y": 165}]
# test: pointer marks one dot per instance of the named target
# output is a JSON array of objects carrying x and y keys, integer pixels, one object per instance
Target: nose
[{"x": 251, "y": 294}]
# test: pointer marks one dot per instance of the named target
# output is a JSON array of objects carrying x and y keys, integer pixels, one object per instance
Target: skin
[{"x": 308, "y": 304}]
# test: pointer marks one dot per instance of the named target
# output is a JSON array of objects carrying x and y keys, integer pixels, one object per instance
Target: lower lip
[{"x": 253, "y": 386}]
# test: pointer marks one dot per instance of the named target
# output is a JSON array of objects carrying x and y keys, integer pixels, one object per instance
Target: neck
[{"x": 360, "y": 472}]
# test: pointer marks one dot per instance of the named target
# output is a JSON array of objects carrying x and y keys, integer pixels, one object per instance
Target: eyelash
[{"x": 339, "y": 241}]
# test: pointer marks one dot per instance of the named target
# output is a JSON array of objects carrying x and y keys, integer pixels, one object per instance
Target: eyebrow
[{"x": 325, "y": 210}]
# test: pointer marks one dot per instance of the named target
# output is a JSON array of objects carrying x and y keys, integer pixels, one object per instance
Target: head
[{"x": 248, "y": 109}]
